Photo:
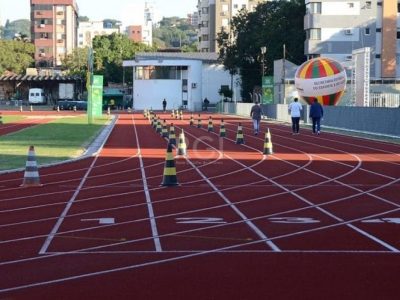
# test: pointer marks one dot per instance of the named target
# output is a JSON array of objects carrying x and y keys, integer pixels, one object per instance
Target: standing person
[
  {"x": 295, "y": 109},
  {"x": 206, "y": 102},
  {"x": 164, "y": 105},
  {"x": 316, "y": 113},
  {"x": 255, "y": 114}
]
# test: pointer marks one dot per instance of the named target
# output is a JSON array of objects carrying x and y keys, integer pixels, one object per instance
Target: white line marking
[
  {"x": 153, "y": 223},
  {"x": 100, "y": 220},
  {"x": 54, "y": 231}
]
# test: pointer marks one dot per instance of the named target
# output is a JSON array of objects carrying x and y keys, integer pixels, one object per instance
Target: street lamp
[{"x": 263, "y": 51}]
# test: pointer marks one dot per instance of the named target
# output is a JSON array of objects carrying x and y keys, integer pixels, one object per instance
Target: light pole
[{"x": 263, "y": 51}]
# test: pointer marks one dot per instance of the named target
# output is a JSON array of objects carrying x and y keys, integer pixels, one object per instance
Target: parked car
[{"x": 69, "y": 105}]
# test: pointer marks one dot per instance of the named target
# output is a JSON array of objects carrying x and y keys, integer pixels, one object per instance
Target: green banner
[
  {"x": 268, "y": 89},
  {"x": 95, "y": 97}
]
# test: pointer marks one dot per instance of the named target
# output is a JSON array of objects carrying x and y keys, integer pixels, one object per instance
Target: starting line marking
[
  {"x": 383, "y": 220},
  {"x": 101, "y": 220},
  {"x": 200, "y": 220}
]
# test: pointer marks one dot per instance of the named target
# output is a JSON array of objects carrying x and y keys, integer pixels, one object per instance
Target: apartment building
[
  {"x": 141, "y": 29},
  {"x": 54, "y": 26},
  {"x": 215, "y": 16},
  {"x": 88, "y": 30},
  {"x": 335, "y": 28}
]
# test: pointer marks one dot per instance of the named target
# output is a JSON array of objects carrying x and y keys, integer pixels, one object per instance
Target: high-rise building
[
  {"x": 336, "y": 28},
  {"x": 54, "y": 26},
  {"x": 88, "y": 30},
  {"x": 215, "y": 16},
  {"x": 141, "y": 28}
]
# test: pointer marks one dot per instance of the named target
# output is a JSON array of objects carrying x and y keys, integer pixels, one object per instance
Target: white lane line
[
  {"x": 157, "y": 262},
  {"x": 56, "y": 227},
  {"x": 236, "y": 210},
  {"x": 247, "y": 220},
  {"x": 362, "y": 232},
  {"x": 153, "y": 223}
]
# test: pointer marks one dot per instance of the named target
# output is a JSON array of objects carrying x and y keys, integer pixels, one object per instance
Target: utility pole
[{"x": 283, "y": 74}]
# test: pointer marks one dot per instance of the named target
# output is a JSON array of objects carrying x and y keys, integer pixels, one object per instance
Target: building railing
[{"x": 384, "y": 100}]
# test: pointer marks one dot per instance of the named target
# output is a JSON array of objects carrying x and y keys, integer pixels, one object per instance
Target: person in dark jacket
[
  {"x": 316, "y": 114},
  {"x": 255, "y": 114},
  {"x": 164, "y": 105}
]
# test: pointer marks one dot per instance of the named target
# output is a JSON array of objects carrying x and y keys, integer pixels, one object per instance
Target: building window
[
  {"x": 379, "y": 30},
  {"x": 398, "y": 34},
  {"x": 158, "y": 72},
  {"x": 204, "y": 10},
  {"x": 377, "y": 56},
  {"x": 350, "y": 4},
  {"x": 313, "y": 8},
  {"x": 225, "y": 8},
  {"x": 204, "y": 37},
  {"x": 204, "y": 23},
  {"x": 367, "y": 31},
  {"x": 314, "y": 34},
  {"x": 368, "y": 4}
]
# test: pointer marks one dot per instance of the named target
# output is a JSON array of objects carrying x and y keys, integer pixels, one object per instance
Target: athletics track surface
[{"x": 318, "y": 219}]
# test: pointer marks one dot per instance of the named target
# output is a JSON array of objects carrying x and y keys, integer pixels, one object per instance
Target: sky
[{"x": 96, "y": 10}]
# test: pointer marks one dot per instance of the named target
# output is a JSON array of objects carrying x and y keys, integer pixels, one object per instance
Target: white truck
[
  {"x": 36, "y": 96},
  {"x": 66, "y": 91}
]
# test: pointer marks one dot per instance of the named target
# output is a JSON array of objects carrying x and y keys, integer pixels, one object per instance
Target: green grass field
[{"x": 56, "y": 141}]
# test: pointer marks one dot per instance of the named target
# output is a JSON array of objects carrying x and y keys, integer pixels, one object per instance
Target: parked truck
[{"x": 66, "y": 91}]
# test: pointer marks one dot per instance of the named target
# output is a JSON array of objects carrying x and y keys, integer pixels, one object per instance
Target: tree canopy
[
  {"x": 272, "y": 25},
  {"x": 110, "y": 51},
  {"x": 176, "y": 33},
  {"x": 15, "y": 56}
]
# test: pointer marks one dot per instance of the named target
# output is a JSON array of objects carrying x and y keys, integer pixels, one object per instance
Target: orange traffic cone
[
  {"x": 169, "y": 175},
  {"x": 191, "y": 120},
  {"x": 31, "y": 175},
  {"x": 222, "y": 130},
  {"x": 199, "y": 122},
  {"x": 210, "y": 126}
]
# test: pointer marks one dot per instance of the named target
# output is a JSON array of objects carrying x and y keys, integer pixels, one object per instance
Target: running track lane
[{"x": 203, "y": 274}]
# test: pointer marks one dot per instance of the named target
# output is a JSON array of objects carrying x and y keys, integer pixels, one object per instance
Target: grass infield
[{"x": 59, "y": 140}]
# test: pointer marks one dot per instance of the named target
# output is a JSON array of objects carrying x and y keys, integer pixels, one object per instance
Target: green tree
[
  {"x": 76, "y": 62},
  {"x": 110, "y": 51},
  {"x": 16, "y": 56},
  {"x": 272, "y": 25},
  {"x": 175, "y": 32}
]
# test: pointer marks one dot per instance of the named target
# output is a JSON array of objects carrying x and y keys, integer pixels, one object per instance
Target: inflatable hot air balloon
[{"x": 322, "y": 78}]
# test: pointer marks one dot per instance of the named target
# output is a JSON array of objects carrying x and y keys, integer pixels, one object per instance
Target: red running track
[{"x": 320, "y": 218}]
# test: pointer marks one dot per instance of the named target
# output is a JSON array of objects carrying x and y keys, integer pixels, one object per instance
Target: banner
[
  {"x": 95, "y": 97},
  {"x": 268, "y": 89}
]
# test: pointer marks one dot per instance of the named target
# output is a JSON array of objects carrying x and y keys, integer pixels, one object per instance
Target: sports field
[{"x": 319, "y": 218}]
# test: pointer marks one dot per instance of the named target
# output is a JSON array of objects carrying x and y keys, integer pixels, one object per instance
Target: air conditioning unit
[
  {"x": 348, "y": 32},
  {"x": 348, "y": 57},
  {"x": 42, "y": 54},
  {"x": 42, "y": 25},
  {"x": 194, "y": 85}
]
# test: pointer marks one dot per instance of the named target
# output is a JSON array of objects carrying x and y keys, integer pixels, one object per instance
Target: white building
[
  {"x": 88, "y": 30},
  {"x": 183, "y": 79}
]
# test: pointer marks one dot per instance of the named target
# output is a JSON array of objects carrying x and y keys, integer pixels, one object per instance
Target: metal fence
[{"x": 384, "y": 100}]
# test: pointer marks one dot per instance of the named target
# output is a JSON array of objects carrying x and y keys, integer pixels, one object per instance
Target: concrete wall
[{"x": 376, "y": 120}]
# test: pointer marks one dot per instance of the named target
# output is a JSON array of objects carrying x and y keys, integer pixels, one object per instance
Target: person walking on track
[
  {"x": 295, "y": 109},
  {"x": 316, "y": 114},
  {"x": 255, "y": 114},
  {"x": 164, "y": 105}
]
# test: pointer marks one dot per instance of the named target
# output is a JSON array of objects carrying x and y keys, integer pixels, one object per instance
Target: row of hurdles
[{"x": 169, "y": 176}]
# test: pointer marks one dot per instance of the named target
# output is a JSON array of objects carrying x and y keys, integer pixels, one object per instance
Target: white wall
[
  {"x": 150, "y": 94},
  {"x": 213, "y": 77}
]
